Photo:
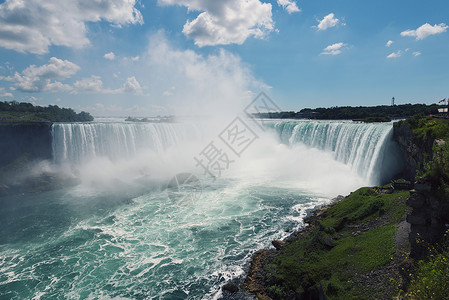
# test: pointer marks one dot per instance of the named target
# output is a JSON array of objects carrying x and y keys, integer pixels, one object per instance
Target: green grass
[
  {"x": 306, "y": 262},
  {"x": 363, "y": 205}
]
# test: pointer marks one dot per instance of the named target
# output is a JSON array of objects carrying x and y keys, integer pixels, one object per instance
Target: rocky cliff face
[
  {"x": 428, "y": 218},
  {"x": 429, "y": 211},
  {"x": 25, "y": 141},
  {"x": 414, "y": 151}
]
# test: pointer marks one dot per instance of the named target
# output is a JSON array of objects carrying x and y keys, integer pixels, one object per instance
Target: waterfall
[
  {"x": 367, "y": 148},
  {"x": 79, "y": 142}
]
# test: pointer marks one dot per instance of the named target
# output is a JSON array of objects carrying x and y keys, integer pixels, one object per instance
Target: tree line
[
  {"x": 51, "y": 113},
  {"x": 381, "y": 113}
]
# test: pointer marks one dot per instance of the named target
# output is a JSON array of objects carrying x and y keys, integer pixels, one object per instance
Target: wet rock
[
  {"x": 278, "y": 244},
  {"x": 231, "y": 288}
]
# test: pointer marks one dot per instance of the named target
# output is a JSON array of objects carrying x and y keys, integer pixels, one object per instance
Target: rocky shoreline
[{"x": 260, "y": 283}]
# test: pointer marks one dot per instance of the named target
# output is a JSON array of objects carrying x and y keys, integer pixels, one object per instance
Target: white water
[
  {"x": 118, "y": 236},
  {"x": 366, "y": 148}
]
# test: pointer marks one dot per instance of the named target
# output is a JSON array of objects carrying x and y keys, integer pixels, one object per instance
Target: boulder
[
  {"x": 278, "y": 244},
  {"x": 328, "y": 241},
  {"x": 231, "y": 288}
]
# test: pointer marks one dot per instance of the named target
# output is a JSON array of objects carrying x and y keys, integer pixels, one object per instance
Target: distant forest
[
  {"x": 359, "y": 113},
  {"x": 26, "y": 112}
]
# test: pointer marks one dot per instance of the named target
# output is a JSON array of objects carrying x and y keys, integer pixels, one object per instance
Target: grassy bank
[{"x": 340, "y": 251}]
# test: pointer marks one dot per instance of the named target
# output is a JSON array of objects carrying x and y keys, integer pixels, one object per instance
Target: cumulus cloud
[
  {"x": 109, "y": 56},
  {"x": 46, "y": 78},
  {"x": 34, "y": 25},
  {"x": 328, "y": 21},
  {"x": 389, "y": 43},
  {"x": 93, "y": 84},
  {"x": 395, "y": 54},
  {"x": 226, "y": 21},
  {"x": 425, "y": 30},
  {"x": 334, "y": 49},
  {"x": 417, "y": 53},
  {"x": 289, "y": 6},
  {"x": 215, "y": 84},
  {"x": 132, "y": 85},
  {"x": 4, "y": 94}
]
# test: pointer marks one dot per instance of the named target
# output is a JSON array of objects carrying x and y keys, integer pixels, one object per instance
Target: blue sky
[{"x": 147, "y": 58}]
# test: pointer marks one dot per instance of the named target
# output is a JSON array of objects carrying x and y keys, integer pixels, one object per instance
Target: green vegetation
[
  {"x": 354, "y": 236},
  {"x": 431, "y": 279},
  {"x": 362, "y": 113},
  {"x": 433, "y": 132},
  {"x": 129, "y": 119},
  {"x": 373, "y": 119},
  {"x": 26, "y": 112},
  {"x": 427, "y": 127}
]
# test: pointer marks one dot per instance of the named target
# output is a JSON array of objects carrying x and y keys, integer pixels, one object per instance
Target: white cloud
[
  {"x": 395, "y": 54},
  {"x": 289, "y": 6},
  {"x": 215, "y": 84},
  {"x": 94, "y": 84},
  {"x": 328, "y": 22},
  {"x": 389, "y": 43},
  {"x": 226, "y": 21},
  {"x": 110, "y": 56},
  {"x": 45, "y": 78},
  {"x": 334, "y": 49},
  {"x": 425, "y": 31},
  {"x": 135, "y": 58},
  {"x": 417, "y": 53},
  {"x": 132, "y": 86},
  {"x": 34, "y": 25},
  {"x": 4, "y": 94}
]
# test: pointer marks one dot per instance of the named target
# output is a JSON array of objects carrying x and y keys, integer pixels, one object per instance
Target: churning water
[{"x": 118, "y": 236}]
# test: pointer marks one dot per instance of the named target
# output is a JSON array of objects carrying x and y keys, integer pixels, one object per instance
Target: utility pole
[{"x": 392, "y": 101}]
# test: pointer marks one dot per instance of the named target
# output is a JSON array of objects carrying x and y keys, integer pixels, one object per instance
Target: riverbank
[
  {"x": 375, "y": 243},
  {"x": 358, "y": 247}
]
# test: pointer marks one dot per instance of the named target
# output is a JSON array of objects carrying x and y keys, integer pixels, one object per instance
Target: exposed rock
[
  {"x": 231, "y": 288},
  {"x": 338, "y": 198},
  {"x": 402, "y": 184},
  {"x": 423, "y": 186},
  {"x": 278, "y": 244},
  {"x": 416, "y": 220},
  {"x": 427, "y": 218},
  {"x": 328, "y": 241},
  {"x": 440, "y": 142},
  {"x": 416, "y": 200},
  {"x": 32, "y": 141},
  {"x": 412, "y": 150}
]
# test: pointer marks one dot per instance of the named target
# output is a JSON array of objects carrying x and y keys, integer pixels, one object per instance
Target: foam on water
[{"x": 118, "y": 236}]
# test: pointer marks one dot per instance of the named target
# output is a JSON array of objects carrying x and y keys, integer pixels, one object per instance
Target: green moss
[{"x": 308, "y": 261}]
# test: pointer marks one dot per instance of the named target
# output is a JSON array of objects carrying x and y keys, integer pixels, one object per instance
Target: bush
[{"x": 432, "y": 278}]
